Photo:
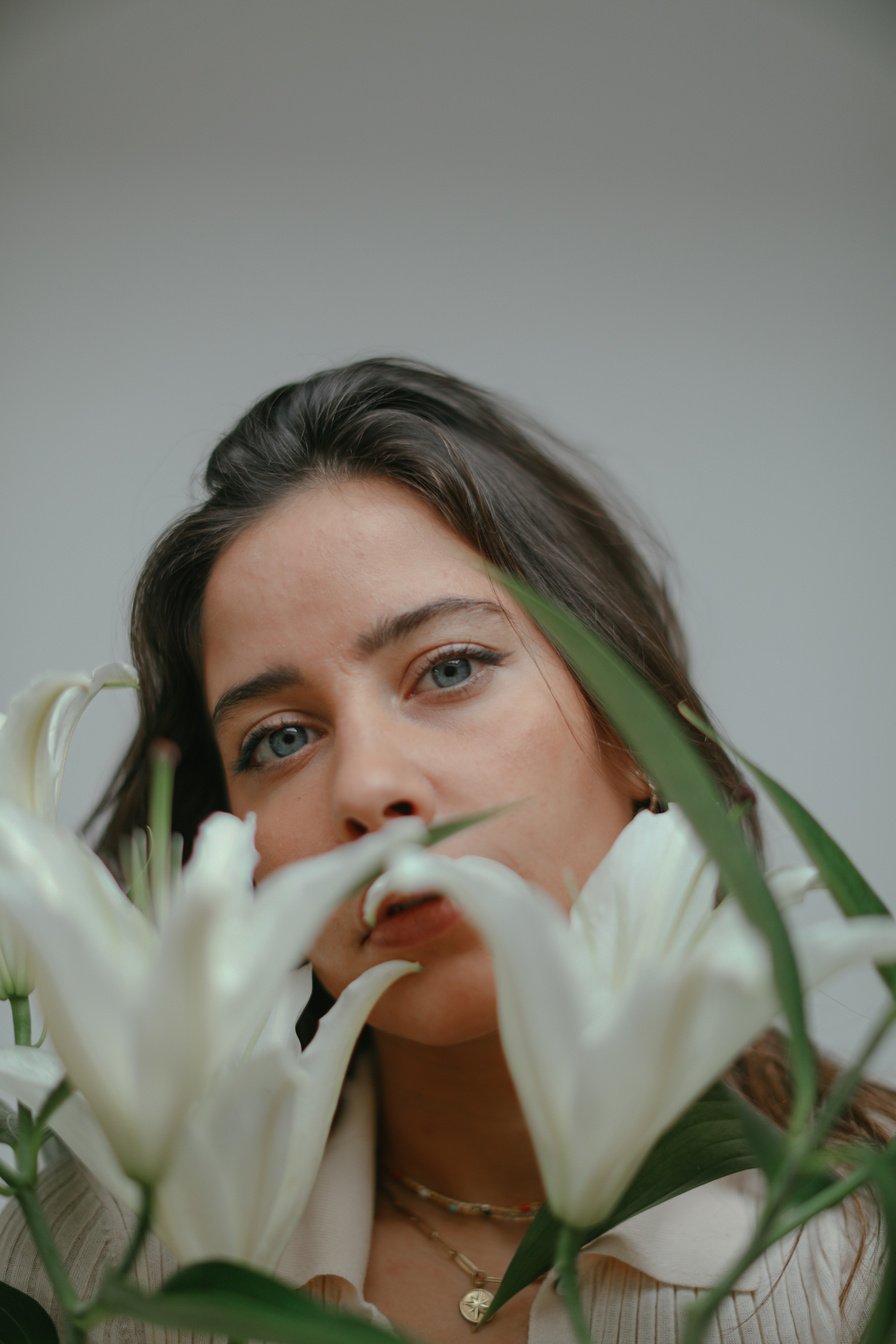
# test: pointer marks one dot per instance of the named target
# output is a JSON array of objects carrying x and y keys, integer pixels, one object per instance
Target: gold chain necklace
[{"x": 473, "y": 1304}]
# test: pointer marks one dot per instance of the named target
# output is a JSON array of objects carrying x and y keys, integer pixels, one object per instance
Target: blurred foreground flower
[
  {"x": 35, "y": 737},
  {"x": 142, "y": 1014},
  {"x": 249, "y": 1147},
  {"x": 36, "y": 734},
  {"x": 264, "y": 1123},
  {"x": 615, "y": 1019}
]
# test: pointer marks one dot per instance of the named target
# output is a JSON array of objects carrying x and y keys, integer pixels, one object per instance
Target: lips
[
  {"x": 410, "y": 919},
  {"x": 397, "y": 907}
]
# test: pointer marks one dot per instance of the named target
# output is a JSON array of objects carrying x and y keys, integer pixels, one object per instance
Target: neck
[{"x": 450, "y": 1118}]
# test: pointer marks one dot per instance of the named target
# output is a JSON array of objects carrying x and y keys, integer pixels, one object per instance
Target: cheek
[
  {"x": 285, "y": 832},
  {"x": 330, "y": 954}
]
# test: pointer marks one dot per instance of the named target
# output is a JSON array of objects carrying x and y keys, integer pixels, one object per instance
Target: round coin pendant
[{"x": 475, "y": 1304}]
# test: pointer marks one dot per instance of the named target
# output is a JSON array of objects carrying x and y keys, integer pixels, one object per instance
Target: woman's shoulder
[
  {"x": 92, "y": 1231},
  {"x": 815, "y": 1286}
]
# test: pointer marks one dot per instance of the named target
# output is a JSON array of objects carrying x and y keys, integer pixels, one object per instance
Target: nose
[{"x": 378, "y": 776}]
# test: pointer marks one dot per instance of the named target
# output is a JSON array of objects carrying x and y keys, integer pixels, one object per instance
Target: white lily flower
[
  {"x": 35, "y": 737},
  {"x": 248, "y": 1151},
  {"x": 30, "y": 1074},
  {"x": 264, "y": 1122},
  {"x": 36, "y": 734},
  {"x": 16, "y": 980},
  {"x": 141, "y": 1016},
  {"x": 616, "y": 1018}
]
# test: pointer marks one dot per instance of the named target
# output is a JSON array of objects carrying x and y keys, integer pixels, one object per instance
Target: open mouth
[
  {"x": 409, "y": 919},
  {"x": 389, "y": 909}
]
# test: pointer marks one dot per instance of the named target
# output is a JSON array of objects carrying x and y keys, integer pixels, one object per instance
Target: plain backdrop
[{"x": 664, "y": 226}]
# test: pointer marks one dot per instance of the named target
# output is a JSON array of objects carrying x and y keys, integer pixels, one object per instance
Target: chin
[{"x": 442, "y": 1006}]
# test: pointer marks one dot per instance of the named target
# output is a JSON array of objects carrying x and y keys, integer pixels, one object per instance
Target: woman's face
[{"x": 359, "y": 665}]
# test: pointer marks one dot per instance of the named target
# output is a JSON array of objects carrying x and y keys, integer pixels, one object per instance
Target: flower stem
[
  {"x": 825, "y": 1199},
  {"x": 60, "y": 1093},
  {"x": 701, "y": 1312},
  {"x": 11, "y": 1177},
  {"x": 778, "y": 1218},
  {"x": 566, "y": 1257},
  {"x": 21, "y": 1019},
  {"x": 46, "y": 1246},
  {"x": 163, "y": 758},
  {"x": 838, "y": 1097},
  {"x": 141, "y": 1229},
  {"x": 23, "y": 1185}
]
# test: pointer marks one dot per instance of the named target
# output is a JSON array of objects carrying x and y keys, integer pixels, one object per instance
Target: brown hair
[
  {"x": 522, "y": 498},
  {"x": 516, "y": 494}
]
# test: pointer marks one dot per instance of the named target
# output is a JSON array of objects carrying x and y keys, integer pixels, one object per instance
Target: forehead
[{"x": 324, "y": 564}]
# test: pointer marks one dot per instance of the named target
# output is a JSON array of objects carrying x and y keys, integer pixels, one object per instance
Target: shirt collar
[
  {"x": 691, "y": 1240},
  {"x": 330, "y": 1247}
]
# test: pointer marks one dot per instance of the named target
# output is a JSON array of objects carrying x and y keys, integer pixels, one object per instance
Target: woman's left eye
[
  {"x": 451, "y": 672},
  {"x": 455, "y": 668}
]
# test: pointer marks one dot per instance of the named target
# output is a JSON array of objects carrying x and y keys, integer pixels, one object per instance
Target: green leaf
[
  {"x": 766, "y": 1142},
  {"x": 849, "y": 888},
  {"x": 566, "y": 1256},
  {"x": 710, "y": 1140},
  {"x": 658, "y": 740},
  {"x": 22, "y": 1320},
  {"x": 435, "y": 834},
  {"x": 241, "y": 1303},
  {"x": 882, "y": 1325}
]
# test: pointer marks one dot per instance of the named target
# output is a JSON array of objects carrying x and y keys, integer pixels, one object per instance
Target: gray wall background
[{"x": 666, "y": 228}]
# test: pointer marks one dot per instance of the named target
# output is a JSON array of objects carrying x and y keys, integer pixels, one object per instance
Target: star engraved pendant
[{"x": 475, "y": 1304}]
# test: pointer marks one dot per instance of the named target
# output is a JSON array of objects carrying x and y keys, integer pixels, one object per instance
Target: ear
[
  {"x": 635, "y": 781},
  {"x": 631, "y": 778}
]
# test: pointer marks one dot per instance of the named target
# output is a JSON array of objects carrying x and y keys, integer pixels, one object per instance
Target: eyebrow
[
  {"x": 266, "y": 683},
  {"x": 388, "y": 630}
]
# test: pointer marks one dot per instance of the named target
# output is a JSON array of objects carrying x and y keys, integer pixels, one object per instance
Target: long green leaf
[
  {"x": 851, "y": 891},
  {"x": 882, "y": 1326},
  {"x": 22, "y": 1320},
  {"x": 659, "y": 741},
  {"x": 241, "y": 1303},
  {"x": 436, "y": 834},
  {"x": 708, "y": 1141}
]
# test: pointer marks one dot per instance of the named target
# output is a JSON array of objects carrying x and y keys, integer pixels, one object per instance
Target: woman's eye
[
  {"x": 269, "y": 745},
  {"x": 458, "y": 668},
  {"x": 285, "y": 741},
  {"x": 451, "y": 672}
]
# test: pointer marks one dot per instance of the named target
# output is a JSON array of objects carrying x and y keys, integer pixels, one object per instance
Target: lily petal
[
  {"x": 144, "y": 1017},
  {"x": 540, "y": 972},
  {"x": 36, "y": 734},
  {"x": 619, "y": 908},
  {"x": 293, "y": 903},
  {"x": 615, "y": 1021},
  {"x": 264, "y": 1122}
]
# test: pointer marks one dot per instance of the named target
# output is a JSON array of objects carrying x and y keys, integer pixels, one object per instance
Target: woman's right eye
[{"x": 267, "y": 746}]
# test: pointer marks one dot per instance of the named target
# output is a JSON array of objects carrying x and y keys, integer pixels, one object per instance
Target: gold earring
[{"x": 652, "y": 802}]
